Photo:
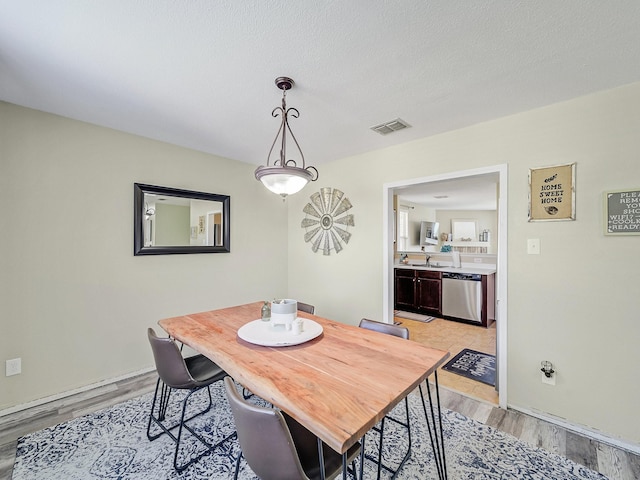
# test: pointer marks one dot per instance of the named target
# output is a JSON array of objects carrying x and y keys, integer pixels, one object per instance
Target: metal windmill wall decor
[{"x": 327, "y": 221}]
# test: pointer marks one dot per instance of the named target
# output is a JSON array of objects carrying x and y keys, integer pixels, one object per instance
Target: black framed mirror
[{"x": 169, "y": 221}]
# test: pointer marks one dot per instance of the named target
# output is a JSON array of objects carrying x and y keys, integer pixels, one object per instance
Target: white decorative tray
[{"x": 263, "y": 333}]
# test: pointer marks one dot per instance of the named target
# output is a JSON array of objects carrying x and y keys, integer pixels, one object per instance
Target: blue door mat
[{"x": 474, "y": 365}]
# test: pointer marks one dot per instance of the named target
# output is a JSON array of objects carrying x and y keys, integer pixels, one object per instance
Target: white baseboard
[
  {"x": 58, "y": 396},
  {"x": 581, "y": 429}
]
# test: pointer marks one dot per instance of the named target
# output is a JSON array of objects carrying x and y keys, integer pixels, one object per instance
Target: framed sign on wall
[
  {"x": 622, "y": 212},
  {"x": 552, "y": 193}
]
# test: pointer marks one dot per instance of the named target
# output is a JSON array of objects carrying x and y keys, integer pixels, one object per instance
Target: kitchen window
[{"x": 403, "y": 229}]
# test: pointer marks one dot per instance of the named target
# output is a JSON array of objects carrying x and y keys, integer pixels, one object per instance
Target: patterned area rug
[
  {"x": 413, "y": 316},
  {"x": 474, "y": 365},
  {"x": 112, "y": 444}
]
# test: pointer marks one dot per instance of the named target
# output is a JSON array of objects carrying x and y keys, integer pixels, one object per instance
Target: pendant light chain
[{"x": 284, "y": 176}]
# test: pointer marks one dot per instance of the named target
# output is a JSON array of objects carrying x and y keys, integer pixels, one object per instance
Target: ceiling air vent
[{"x": 390, "y": 127}]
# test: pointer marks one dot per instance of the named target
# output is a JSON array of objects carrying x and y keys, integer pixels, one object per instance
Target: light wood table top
[{"x": 338, "y": 385}]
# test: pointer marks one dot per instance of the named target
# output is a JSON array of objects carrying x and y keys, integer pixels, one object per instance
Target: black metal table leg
[
  {"x": 323, "y": 475},
  {"x": 434, "y": 426},
  {"x": 362, "y": 458},
  {"x": 345, "y": 464}
]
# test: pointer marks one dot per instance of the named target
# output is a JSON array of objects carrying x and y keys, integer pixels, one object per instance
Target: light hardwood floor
[{"x": 612, "y": 462}]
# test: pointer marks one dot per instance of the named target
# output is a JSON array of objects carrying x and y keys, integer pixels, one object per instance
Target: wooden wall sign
[
  {"x": 622, "y": 212},
  {"x": 552, "y": 193}
]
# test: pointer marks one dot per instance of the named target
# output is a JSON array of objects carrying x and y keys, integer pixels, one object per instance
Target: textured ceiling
[
  {"x": 477, "y": 192},
  {"x": 200, "y": 73}
]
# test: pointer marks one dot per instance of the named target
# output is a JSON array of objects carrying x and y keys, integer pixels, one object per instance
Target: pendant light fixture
[{"x": 284, "y": 176}]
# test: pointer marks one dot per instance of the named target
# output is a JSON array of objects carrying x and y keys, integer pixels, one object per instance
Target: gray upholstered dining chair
[
  {"x": 402, "y": 332},
  {"x": 277, "y": 447},
  {"x": 305, "y": 307},
  {"x": 175, "y": 372}
]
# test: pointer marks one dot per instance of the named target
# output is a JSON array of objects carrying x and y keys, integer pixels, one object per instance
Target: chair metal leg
[
  {"x": 161, "y": 399},
  {"x": 235, "y": 476},
  {"x": 353, "y": 469},
  {"x": 408, "y": 426},
  {"x": 380, "y": 430},
  {"x": 162, "y": 410},
  {"x": 209, "y": 447},
  {"x": 246, "y": 394}
]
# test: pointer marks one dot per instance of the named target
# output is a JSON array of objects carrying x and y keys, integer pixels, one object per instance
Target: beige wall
[
  {"x": 74, "y": 301},
  {"x": 575, "y": 304}
]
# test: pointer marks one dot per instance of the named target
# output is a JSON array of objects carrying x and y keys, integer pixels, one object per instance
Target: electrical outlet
[
  {"x": 477, "y": 260},
  {"x": 13, "y": 367},
  {"x": 548, "y": 380}
]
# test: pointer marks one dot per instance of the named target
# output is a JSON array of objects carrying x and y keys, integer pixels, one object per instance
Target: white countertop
[{"x": 477, "y": 269}]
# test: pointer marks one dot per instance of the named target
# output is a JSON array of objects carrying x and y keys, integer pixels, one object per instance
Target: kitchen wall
[
  {"x": 417, "y": 214},
  {"x": 485, "y": 219},
  {"x": 74, "y": 301},
  {"x": 575, "y": 304}
]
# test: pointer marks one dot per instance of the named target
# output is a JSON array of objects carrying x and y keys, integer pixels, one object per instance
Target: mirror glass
[
  {"x": 463, "y": 230},
  {"x": 169, "y": 220}
]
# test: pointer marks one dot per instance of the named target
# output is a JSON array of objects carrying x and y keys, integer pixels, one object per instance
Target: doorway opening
[{"x": 464, "y": 183}]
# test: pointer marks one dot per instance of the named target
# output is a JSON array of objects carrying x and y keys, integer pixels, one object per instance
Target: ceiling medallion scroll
[{"x": 327, "y": 222}]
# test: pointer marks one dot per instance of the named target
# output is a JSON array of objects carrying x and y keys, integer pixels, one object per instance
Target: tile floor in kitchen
[{"x": 454, "y": 337}]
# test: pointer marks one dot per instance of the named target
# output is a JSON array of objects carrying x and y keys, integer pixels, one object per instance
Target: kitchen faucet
[{"x": 426, "y": 261}]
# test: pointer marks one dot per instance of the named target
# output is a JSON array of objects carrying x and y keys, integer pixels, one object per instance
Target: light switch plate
[
  {"x": 533, "y": 246},
  {"x": 13, "y": 367}
]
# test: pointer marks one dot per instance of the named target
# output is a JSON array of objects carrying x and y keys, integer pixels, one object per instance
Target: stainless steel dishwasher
[{"x": 462, "y": 296}]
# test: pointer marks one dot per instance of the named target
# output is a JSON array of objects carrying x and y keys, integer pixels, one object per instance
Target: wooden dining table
[{"x": 338, "y": 385}]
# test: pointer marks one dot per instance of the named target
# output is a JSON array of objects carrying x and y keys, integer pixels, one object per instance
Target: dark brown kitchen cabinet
[
  {"x": 418, "y": 291},
  {"x": 428, "y": 292},
  {"x": 405, "y": 289}
]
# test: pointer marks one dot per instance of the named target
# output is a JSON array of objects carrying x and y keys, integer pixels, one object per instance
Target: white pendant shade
[{"x": 283, "y": 180}]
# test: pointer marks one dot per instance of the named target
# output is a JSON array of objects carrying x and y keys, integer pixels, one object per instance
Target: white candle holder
[{"x": 283, "y": 312}]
